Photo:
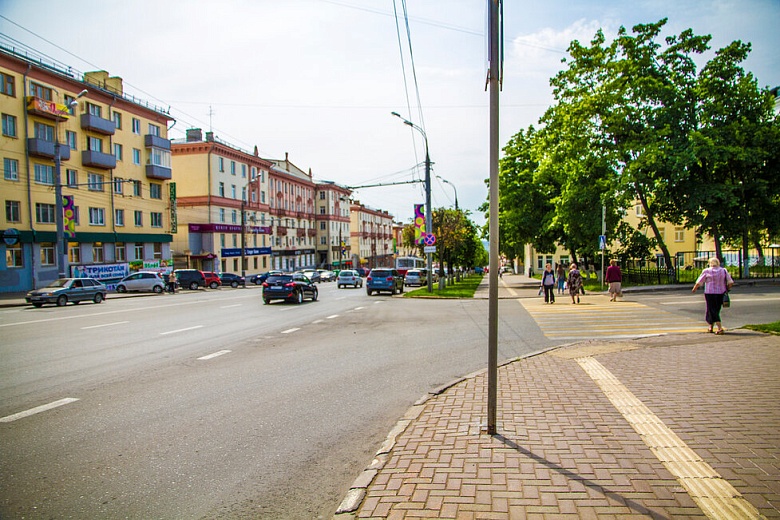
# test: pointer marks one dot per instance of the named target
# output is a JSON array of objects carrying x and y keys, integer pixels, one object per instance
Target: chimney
[
  {"x": 194, "y": 135},
  {"x": 210, "y": 137}
]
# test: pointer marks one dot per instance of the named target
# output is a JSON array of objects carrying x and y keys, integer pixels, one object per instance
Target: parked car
[
  {"x": 362, "y": 271},
  {"x": 290, "y": 287},
  {"x": 312, "y": 275},
  {"x": 141, "y": 281},
  {"x": 190, "y": 278},
  {"x": 326, "y": 276},
  {"x": 349, "y": 277},
  {"x": 212, "y": 279},
  {"x": 415, "y": 277},
  {"x": 384, "y": 279},
  {"x": 64, "y": 290},
  {"x": 231, "y": 279},
  {"x": 258, "y": 279}
]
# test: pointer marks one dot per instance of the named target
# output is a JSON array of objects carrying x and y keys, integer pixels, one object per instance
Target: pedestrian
[
  {"x": 548, "y": 284},
  {"x": 614, "y": 278},
  {"x": 717, "y": 281},
  {"x": 172, "y": 282},
  {"x": 575, "y": 283},
  {"x": 561, "y": 273}
]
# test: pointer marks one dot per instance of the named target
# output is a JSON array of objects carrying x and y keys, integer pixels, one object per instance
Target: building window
[
  {"x": 40, "y": 91},
  {"x": 95, "y": 110},
  {"x": 136, "y": 126},
  {"x": 76, "y": 215},
  {"x": 94, "y": 182},
  {"x": 154, "y": 130},
  {"x": 74, "y": 253},
  {"x": 322, "y": 195},
  {"x": 9, "y": 125},
  {"x": 221, "y": 163},
  {"x": 234, "y": 216},
  {"x": 232, "y": 167},
  {"x": 222, "y": 240},
  {"x": 157, "y": 219},
  {"x": 44, "y": 174},
  {"x": 222, "y": 214},
  {"x": 120, "y": 255},
  {"x": 7, "y": 85},
  {"x": 72, "y": 178},
  {"x": 243, "y": 171},
  {"x": 155, "y": 190},
  {"x": 97, "y": 253},
  {"x": 157, "y": 250},
  {"x": 221, "y": 190},
  {"x": 136, "y": 156},
  {"x": 232, "y": 191},
  {"x": 11, "y": 169},
  {"x": 44, "y": 213},
  {"x": 44, "y": 132},
  {"x": 71, "y": 139},
  {"x": 95, "y": 144},
  {"x": 138, "y": 218},
  {"x": 118, "y": 151},
  {"x": 159, "y": 157},
  {"x": 322, "y": 210},
  {"x": 97, "y": 217},
  {"x": 118, "y": 185},
  {"x": 235, "y": 241},
  {"x": 13, "y": 256},
  {"x": 138, "y": 251},
  {"x": 47, "y": 253},
  {"x": 119, "y": 217},
  {"x": 137, "y": 187},
  {"x": 679, "y": 234},
  {"x": 118, "y": 120},
  {"x": 13, "y": 211}
]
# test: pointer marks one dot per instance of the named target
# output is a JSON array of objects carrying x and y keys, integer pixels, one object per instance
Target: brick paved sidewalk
[{"x": 662, "y": 427}]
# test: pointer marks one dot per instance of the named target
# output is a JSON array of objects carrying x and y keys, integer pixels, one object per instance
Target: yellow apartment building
[
  {"x": 223, "y": 209},
  {"x": 114, "y": 172}
]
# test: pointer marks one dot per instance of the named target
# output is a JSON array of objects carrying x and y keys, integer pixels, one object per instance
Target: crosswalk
[{"x": 596, "y": 317}]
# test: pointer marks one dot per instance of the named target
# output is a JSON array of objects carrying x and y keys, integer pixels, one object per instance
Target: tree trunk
[{"x": 653, "y": 225}]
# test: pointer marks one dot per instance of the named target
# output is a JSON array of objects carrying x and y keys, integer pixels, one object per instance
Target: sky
[{"x": 318, "y": 79}]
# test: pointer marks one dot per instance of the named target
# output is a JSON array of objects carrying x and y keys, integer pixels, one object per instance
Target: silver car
[
  {"x": 348, "y": 277},
  {"x": 66, "y": 290},
  {"x": 415, "y": 277},
  {"x": 141, "y": 281}
]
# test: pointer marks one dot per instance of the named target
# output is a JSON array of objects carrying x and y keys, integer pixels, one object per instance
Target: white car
[{"x": 349, "y": 277}]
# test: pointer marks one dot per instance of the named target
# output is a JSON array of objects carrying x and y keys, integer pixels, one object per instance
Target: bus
[{"x": 404, "y": 263}]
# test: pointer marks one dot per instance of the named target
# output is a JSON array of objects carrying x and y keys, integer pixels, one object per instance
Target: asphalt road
[{"x": 213, "y": 405}]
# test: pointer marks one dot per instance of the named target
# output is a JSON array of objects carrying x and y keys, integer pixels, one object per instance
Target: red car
[{"x": 213, "y": 280}]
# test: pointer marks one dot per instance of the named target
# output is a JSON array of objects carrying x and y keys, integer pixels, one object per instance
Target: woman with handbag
[
  {"x": 575, "y": 283},
  {"x": 717, "y": 282}
]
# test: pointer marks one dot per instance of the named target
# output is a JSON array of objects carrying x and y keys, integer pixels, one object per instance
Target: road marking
[
  {"x": 711, "y": 492},
  {"x": 358, "y": 308},
  {"x": 699, "y": 301},
  {"x": 231, "y": 306},
  {"x": 215, "y": 354},
  {"x": 317, "y": 321},
  {"x": 104, "y": 325},
  {"x": 290, "y": 330},
  {"x": 332, "y": 316},
  {"x": 181, "y": 330},
  {"x": 38, "y": 409}
]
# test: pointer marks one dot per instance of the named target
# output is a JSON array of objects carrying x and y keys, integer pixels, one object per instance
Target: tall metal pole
[
  {"x": 58, "y": 208},
  {"x": 493, "y": 79},
  {"x": 243, "y": 237}
]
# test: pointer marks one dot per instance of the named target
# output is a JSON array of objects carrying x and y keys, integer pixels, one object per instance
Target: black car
[
  {"x": 258, "y": 279},
  {"x": 233, "y": 280},
  {"x": 190, "y": 278},
  {"x": 289, "y": 287}
]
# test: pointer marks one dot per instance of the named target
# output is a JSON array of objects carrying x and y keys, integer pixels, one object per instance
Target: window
[
  {"x": 322, "y": 195},
  {"x": 138, "y": 251},
  {"x": 74, "y": 253},
  {"x": 9, "y": 125},
  {"x": 13, "y": 211},
  {"x": 232, "y": 167},
  {"x": 243, "y": 171},
  {"x": 232, "y": 191},
  {"x": 221, "y": 162},
  {"x": 97, "y": 253},
  {"x": 72, "y": 178},
  {"x": 40, "y": 91},
  {"x": 155, "y": 190},
  {"x": 95, "y": 144},
  {"x": 136, "y": 126},
  {"x": 71, "y": 139},
  {"x": 324, "y": 241},
  {"x": 157, "y": 219},
  {"x": 13, "y": 256},
  {"x": 44, "y": 213},
  {"x": 221, "y": 190},
  {"x": 47, "y": 253},
  {"x": 44, "y": 174},
  {"x": 118, "y": 120},
  {"x": 118, "y": 185},
  {"x": 76, "y": 215},
  {"x": 322, "y": 210},
  {"x": 639, "y": 211},
  {"x": 44, "y": 132},
  {"x": 94, "y": 182},
  {"x": 10, "y": 169},
  {"x": 138, "y": 218},
  {"x": 119, "y": 217},
  {"x": 136, "y": 156},
  {"x": 322, "y": 226},
  {"x": 97, "y": 217},
  {"x": 234, "y": 217},
  {"x": 137, "y": 189},
  {"x": 154, "y": 130},
  {"x": 157, "y": 250},
  {"x": 118, "y": 151},
  {"x": 235, "y": 242},
  {"x": 7, "y": 86},
  {"x": 222, "y": 240},
  {"x": 222, "y": 214},
  {"x": 159, "y": 157},
  {"x": 95, "y": 110},
  {"x": 67, "y": 100},
  {"x": 679, "y": 234},
  {"x": 119, "y": 252}
]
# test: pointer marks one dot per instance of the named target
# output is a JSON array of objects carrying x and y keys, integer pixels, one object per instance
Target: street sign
[
  {"x": 602, "y": 242},
  {"x": 429, "y": 239},
  {"x": 429, "y": 249}
]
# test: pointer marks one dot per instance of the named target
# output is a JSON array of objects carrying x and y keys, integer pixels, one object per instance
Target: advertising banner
[
  {"x": 68, "y": 216},
  {"x": 419, "y": 223}
]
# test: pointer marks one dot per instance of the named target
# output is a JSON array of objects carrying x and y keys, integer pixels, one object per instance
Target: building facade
[
  {"x": 223, "y": 209},
  {"x": 372, "y": 236},
  {"x": 113, "y": 172},
  {"x": 334, "y": 250}
]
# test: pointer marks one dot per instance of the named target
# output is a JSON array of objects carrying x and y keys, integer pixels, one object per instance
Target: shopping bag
[{"x": 726, "y": 299}]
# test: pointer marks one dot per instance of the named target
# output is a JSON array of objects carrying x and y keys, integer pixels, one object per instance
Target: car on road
[
  {"x": 312, "y": 274},
  {"x": 212, "y": 279},
  {"x": 384, "y": 279},
  {"x": 64, "y": 290},
  {"x": 191, "y": 279},
  {"x": 349, "y": 277},
  {"x": 362, "y": 271},
  {"x": 415, "y": 277},
  {"x": 290, "y": 287},
  {"x": 232, "y": 279},
  {"x": 326, "y": 276},
  {"x": 142, "y": 281},
  {"x": 259, "y": 278}
]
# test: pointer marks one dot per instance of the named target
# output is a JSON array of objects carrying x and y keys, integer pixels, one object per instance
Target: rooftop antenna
[{"x": 211, "y": 113}]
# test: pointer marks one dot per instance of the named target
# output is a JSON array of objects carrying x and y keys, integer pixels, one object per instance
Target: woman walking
[
  {"x": 575, "y": 283},
  {"x": 561, "y": 273},
  {"x": 614, "y": 278},
  {"x": 548, "y": 284},
  {"x": 717, "y": 281}
]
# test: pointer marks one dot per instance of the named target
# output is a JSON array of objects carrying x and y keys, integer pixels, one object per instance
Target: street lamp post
[
  {"x": 62, "y": 245},
  {"x": 442, "y": 179},
  {"x": 428, "y": 213}
]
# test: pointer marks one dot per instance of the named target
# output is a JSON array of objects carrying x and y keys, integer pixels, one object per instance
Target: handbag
[{"x": 726, "y": 299}]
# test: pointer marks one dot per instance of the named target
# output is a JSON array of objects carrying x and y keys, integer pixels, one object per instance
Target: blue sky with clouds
[{"x": 318, "y": 78}]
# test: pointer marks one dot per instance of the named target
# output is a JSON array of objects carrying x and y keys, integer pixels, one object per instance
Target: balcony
[
  {"x": 42, "y": 148},
  {"x": 311, "y": 232},
  {"x": 153, "y": 141},
  {"x": 300, "y": 232},
  {"x": 95, "y": 159},
  {"x": 97, "y": 124},
  {"x": 48, "y": 109},
  {"x": 158, "y": 172},
  {"x": 281, "y": 230}
]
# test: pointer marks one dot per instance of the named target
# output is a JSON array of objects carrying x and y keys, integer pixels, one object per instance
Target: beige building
[
  {"x": 372, "y": 236},
  {"x": 113, "y": 172},
  {"x": 334, "y": 248},
  {"x": 223, "y": 206}
]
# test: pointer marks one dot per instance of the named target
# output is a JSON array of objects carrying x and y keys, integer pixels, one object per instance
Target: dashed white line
[
  {"x": 215, "y": 354},
  {"x": 332, "y": 316},
  {"x": 358, "y": 308},
  {"x": 181, "y": 330},
  {"x": 231, "y": 306},
  {"x": 104, "y": 325},
  {"x": 317, "y": 321},
  {"x": 290, "y": 330},
  {"x": 38, "y": 409}
]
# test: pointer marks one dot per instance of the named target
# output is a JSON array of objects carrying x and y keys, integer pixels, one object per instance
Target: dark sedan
[
  {"x": 66, "y": 290},
  {"x": 292, "y": 288},
  {"x": 231, "y": 279},
  {"x": 258, "y": 279}
]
